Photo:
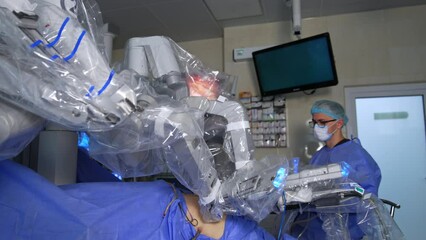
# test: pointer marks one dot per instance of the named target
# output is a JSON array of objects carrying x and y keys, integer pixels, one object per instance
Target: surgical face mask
[{"x": 322, "y": 133}]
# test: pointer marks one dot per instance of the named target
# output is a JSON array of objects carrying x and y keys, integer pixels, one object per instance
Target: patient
[
  {"x": 33, "y": 208},
  {"x": 213, "y": 230}
]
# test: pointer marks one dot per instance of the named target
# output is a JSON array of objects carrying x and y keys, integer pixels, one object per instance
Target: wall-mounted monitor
[{"x": 296, "y": 66}]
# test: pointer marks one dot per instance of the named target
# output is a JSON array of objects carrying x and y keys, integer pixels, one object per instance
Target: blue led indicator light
[
  {"x": 279, "y": 179},
  {"x": 83, "y": 140},
  {"x": 296, "y": 161},
  {"x": 345, "y": 169}
]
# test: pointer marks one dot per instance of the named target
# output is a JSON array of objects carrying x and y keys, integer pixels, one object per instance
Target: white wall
[{"x": 377, "y": 47}]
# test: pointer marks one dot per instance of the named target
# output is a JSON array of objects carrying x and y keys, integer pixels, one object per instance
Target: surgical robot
[{"x": 162, "y": 110}]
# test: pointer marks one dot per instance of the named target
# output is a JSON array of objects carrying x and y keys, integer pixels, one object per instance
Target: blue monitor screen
[{"x": 296, "y": 66}]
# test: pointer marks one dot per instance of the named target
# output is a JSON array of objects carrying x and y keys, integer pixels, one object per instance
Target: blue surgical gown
[
  {"x": 362, "y": 170},
  {"x": 33, "y": 208}
]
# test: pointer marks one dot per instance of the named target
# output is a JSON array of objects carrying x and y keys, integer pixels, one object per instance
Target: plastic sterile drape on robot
[
  {"x": 174, "y": 71},
  {"x": 322, "y": 203},
  {"x": 353, "y": 218},
  {"x": 53, "y": 67},
  {"x": 313, "y": 183},
  {"x": 254, "y": 190},
  {"x": 17, "y": 129},
  {"x": 227, "y": 132},
  {"x": 81, "y": 92}
]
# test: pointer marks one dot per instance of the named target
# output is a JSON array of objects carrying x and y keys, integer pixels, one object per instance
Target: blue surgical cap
[{"x": 330, "y": 108}]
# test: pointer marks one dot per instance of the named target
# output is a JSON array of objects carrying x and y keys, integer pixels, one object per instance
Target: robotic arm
[
  {"x": 51, "y": 66},
  {"x": 62, "y": 75},
  {"x": 56, "y": 71},
  {"x": 155, "y": 56},
  {"x": 17, "y": 129},
  {"x": 226, "y": 133}
]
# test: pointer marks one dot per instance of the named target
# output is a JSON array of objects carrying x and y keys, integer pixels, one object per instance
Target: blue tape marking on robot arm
[
  {"x": 107, "y": 82},
  {"x": 90, "y": 91},
  {"x": 59, "y": 33},
  {"x": 54, "y": 57},
  {"x": 75, "y": 47},
  {"x": 38, "y": 42},
  {"x": 73, "y": 51}
]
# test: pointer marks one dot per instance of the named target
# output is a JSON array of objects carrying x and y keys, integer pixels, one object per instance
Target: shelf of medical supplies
[
  {"x": 270, "y": 140},
  {"x": 267, "y": 119}
]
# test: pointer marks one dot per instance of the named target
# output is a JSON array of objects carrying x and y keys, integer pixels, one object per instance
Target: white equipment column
[{"x": 57, "y": 156}]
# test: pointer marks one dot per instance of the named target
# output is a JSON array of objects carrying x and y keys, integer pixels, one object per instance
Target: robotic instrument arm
[
  {"x": 155, "y": 56},
  {"x": 53, "y": 68},
  {"x": 63, "y": 76},
  {"x": 17, "y": 129},
  {"x": 226, "y": 132}
]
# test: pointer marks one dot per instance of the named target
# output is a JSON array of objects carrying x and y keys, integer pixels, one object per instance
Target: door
[{"x": 390, "y": 122}]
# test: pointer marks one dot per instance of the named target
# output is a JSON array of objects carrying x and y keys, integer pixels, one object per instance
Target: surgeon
[{"x": 328, "y": 119}]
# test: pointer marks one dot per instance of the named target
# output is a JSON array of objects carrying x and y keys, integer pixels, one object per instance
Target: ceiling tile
[
  {"x": 117, "y": 5},
  {"x": 188, "y": 20},
  {"x": 135, "y": 22},
  {"x": 231, "y": 9},
  {"x": 332, "y": 7},
  {"x": 183, "y": 16}
]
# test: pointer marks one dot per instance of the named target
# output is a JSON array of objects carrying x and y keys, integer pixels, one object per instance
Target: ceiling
[{"x": 188, "y": 20}]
